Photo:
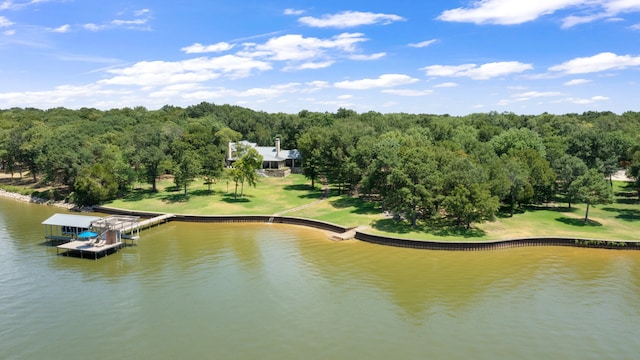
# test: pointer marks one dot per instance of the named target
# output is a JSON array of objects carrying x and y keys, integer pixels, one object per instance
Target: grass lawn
[
  {"x": 271, "y": 195},
  {"x": 617, "y": 221}
]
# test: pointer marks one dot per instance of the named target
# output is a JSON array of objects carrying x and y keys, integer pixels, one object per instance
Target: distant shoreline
[{"x": 36, "y": 200}]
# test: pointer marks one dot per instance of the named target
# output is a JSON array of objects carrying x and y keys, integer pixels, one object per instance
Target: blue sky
[{"x": 453, "y": 57}]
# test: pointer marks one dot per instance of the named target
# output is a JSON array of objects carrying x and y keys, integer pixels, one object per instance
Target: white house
[{"x": 275, "y": 161}]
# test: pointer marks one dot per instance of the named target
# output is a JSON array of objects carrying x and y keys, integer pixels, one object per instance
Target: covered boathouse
[{"x": 90, "y": 236}]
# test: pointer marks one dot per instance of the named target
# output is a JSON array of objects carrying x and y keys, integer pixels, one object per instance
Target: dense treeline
[{"x": 418, "y": 166}]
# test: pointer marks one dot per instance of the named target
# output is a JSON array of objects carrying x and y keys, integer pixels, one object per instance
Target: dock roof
[{"x": 78, "y": 221}]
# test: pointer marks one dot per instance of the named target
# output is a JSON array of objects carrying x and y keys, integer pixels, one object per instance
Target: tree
[
  {"x": 413, "y": 184},
  {"x": 518, "y": 139},
  {"x": 236, "y": 175},
  {"x": 312, "y": 145},
  {"x": 633, "y": 171},
  {"x": 516, "y": 181},
  {"x": 249, "y": 163},
  {"x": 188, "y": 166},
  {"x": 567, "y": 169},
  {"x": 540, "y": 175},
  {"x": 151, "y": 151},
  {"x": 244, "y": 169},
  {"x": 471, "y": 204},
  {"x": 94, "y": 185},
  {"x": 592, "y": 189}
]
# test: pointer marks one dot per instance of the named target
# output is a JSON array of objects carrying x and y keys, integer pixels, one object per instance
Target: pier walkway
[{"x": 147, "y": 223}]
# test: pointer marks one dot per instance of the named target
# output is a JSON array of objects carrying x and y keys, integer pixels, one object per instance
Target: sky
[{"x": 437, "y": 57}]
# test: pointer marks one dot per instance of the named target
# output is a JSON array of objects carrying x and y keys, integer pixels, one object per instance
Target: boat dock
[{"x": 95, "y": 236}]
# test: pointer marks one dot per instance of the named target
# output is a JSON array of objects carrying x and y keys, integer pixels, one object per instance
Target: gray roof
[
  {"x": 79, "y": 221},
  {"x": 269, "y": 152}
]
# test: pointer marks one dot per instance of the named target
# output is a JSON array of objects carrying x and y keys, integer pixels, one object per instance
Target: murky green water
[{"x": 279, "y": 292}]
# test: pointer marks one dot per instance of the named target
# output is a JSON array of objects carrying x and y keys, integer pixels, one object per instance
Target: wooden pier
[{"x": 147, "y": 223}]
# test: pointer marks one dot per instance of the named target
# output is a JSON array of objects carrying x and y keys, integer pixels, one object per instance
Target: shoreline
[
  {"x": 358, "y": 235},
  {"x": 36, "y": 200}
]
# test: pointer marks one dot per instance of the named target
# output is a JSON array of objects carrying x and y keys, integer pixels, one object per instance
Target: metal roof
[
  {"x": 79, "y": 221},
  {"x": 268, "y": 152}
]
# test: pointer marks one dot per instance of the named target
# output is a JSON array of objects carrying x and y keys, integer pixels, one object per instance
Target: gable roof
[
  {"x": 78, "y": 221},
  {"x": 268, "y": 153}
]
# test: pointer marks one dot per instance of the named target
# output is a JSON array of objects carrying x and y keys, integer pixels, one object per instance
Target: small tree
[
  {"x": 186, "y": 170},
  {"x": 592, "y": 189},
  {"x": 244, "y": 169},
  {"x": 250, "y": 162}
]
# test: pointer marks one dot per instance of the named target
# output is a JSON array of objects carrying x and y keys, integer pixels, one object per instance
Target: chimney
[{"x": 277, "y": 147}]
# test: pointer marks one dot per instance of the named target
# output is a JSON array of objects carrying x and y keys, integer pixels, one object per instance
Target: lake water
[{"x": 262, "y": 291}]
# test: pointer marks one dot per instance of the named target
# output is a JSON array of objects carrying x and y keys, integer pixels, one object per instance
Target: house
[{"x": 275, "y": 161}]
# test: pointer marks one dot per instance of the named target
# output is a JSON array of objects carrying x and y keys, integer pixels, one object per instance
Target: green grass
[
  {"x": 617, "y": 221},
  {"x": 271, "y": 195}
]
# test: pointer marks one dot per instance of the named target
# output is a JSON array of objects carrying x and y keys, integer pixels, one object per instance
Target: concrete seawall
[
  {"x": 499, "y": 244},
  {"x": 391, "y": 241},
  {"x": 230, "y": 219}
]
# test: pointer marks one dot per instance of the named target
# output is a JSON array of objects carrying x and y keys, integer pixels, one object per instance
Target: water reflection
[{"x": 274, "y": 291}]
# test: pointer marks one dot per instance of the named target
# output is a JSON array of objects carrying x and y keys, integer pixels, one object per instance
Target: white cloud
[
  {"x": 573, "y": 20},
  {"x": 482, "y": 72},
  {"x": 198, "y": 48},
  {"x": 142, "y": 12},
  {"x": 348, "y": 19},
  {"x": 140, "y": 21},
  {"x": 535, "y": 94},
  {"x": 600, "y": 62},
  {"x": 120, "y": 22},
  {"x": 581, "y": 101},
  {"x": 575, "y": 82},
  {"x": 11, "y": 5},
  {"x": 408, "y": 92},
  {"x": 635, "y": 27},
  {"x": 345, "y": 97},
  {"x": 386, "y": 80},
  {"x": 506, "y": 12},
  {"x": 63, "y": 95},
  {"x": 9, "y": 32},
  {"x": 294, "y": 47},
  {"x": 424, "y": 43},
  {"x": 511, "y": 12},
  {"x": 293, "y": 12},
  {"x": 361, "y": 57},
  {"x": 263, "y": 93},
  {"x": 157, "y": 73},
  {"x": 94, "y": 27},
  {"x": 314, "y": 86},
  {"x": 62, "y": 29},
  {"x": 299, "y": 52},
  {"x": 175, "y": 90},
  {"x": 528, "y": 95},
  {"x": 445, "y": 85},
  {"x": 4, "y": 22},
  {"x": 309, "y": 66}
]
